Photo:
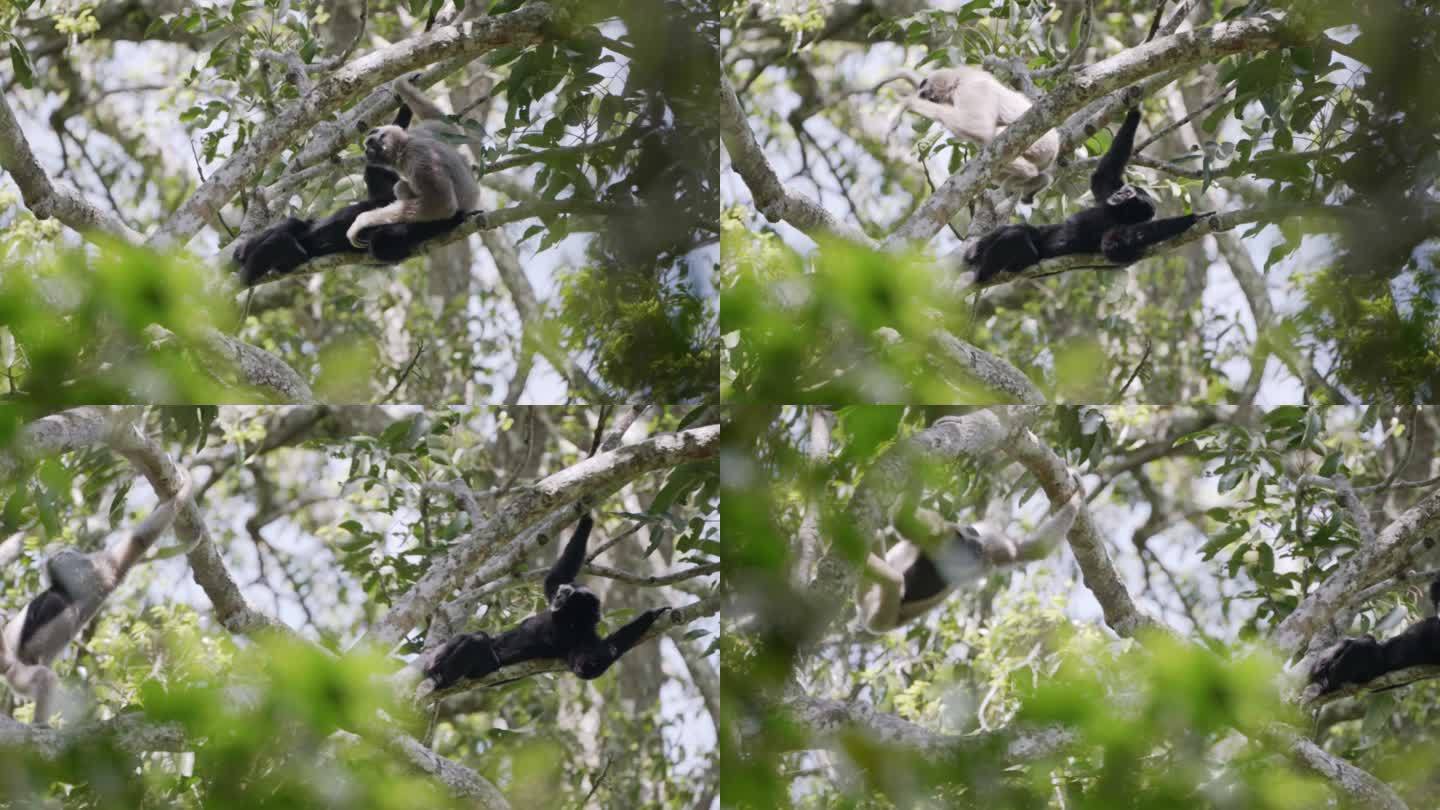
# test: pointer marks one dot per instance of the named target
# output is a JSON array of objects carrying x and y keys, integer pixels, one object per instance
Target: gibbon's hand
[{"x": 353, "y": 233}]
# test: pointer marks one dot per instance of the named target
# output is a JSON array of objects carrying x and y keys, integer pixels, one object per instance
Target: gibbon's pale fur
[
  {"x": 910, "y": 581},
  {"x": 975, "y": 107},
  {"x": 435, "y": 180},
  {"x": 79, "y": 584}
]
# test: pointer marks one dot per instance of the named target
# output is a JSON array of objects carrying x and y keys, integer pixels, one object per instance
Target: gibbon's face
[
  {"x": 938, "y": 87},
  {"x": 576, "y": 604},
  {"x": 382, "y": 144},
  {"x": 1131, "y": 205}
]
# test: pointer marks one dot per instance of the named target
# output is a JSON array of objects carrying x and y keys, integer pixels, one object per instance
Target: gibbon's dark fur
[
  {"x": 290, "y": 243},
  {"x": 80, "y": 582},
  {"x": 566, "y": 630},
  {"x": 1361, "y": 660},
  {"x": 1121, "y": 226}
]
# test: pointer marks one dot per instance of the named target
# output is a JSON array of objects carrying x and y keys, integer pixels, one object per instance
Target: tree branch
[
  {"x": 772, "y": 198},
  {"x": 41, "y": 196},
  {"x": 471, "y": 38},
  {"x": 1368, "y": 565},
  {"x": 598, "y": 473},
  {"x": 1074, "y": 91},
  {"x": 678, "y": 617}
]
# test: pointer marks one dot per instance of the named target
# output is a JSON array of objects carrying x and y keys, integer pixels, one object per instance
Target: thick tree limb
[
  {"x": 471, "y": 38},
  {"x": 1356, "y": 783},
  {"x": 525, "y": 507},
  {"x": 41, "y": 196},
  {"x": 462, "y": 782},
  {"x": 1086, "y": 542},
  {"x": 772, "y": 198},
  {"x": 1368, "y": 565},
  {"x": 825, "y": 720},
  {"x": 1074, "y": 91}
]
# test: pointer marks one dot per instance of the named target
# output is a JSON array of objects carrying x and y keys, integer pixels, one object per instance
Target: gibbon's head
[
  {"x": 383, "y": 144},
  {"x": 575, "y": 605},
  {"x": 939, "y": 86},
  {"x": 961, "y": 555},
  {"x": 1131, "y": 205}
]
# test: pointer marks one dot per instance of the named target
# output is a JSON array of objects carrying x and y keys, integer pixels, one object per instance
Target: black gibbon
[
  {"x": 79, "y": 585},
  {"x": 975, "y": 107},
  {"x": 283, "y": 247},
  {"x": 909, "y": 581},
  {"x": 1361, "y": 660},
  {"x": 566, "y": 630},
  {"x": 1121, "y": 226}
]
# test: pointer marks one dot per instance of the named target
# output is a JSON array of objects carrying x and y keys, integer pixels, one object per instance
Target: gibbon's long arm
[
  {"x": 411, "y": 99},
  {"x": 1361, "y": 660},
  {"x": 633, "y": 632},
  {"x": 79, "y": 584},
  {"x": 567, "y": 566},
  {"x": 883, "y": 590},
  {"x": 1001, "y": 551},
  {"x": 1109, "y": 174},
  {"x": 125, "y": 555},
  {"x": 886, "y": 599}
]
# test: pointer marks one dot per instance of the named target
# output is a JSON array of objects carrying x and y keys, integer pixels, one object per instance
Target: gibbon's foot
[
  {"x": 352, "y": 234},
  {"x": 481, "y": 218}
]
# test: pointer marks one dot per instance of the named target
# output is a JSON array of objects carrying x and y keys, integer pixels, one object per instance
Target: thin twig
[
  {"x": 1135, "y": 373},
  {"x": 598, "y": 780},
  {"x": 1155, "y": 23},
  {"x": 404, "y": 374},
  {"x": 1198, "y": 111}
]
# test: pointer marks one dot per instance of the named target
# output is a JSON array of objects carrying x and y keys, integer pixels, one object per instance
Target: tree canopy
[
  {"x": 335, "y": 548},
  {"x": 1308, "y": 127},
  {"x": 191, "y": 127}
]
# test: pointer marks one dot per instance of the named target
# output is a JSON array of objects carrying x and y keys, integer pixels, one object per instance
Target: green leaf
[{"x": 24, "y": 72}]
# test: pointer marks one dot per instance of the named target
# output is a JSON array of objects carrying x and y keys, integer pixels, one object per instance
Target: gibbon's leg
[
  {"x": 880, "y": 599},
  {"x": 38, "y": 682},
  {"x": 469, "y": 655},
  {"x": 439, "y": 204},
  {"x": 1009, "y": 248},
  {"x": 1127, "y": 243},
  {"x": 277, "y": 249},
  {"x": 567, "y": 567},
  {"x": 1109, "y": 174},
  {"x": 396, "y": 243},
  {"x": 328, "y": 235}
]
